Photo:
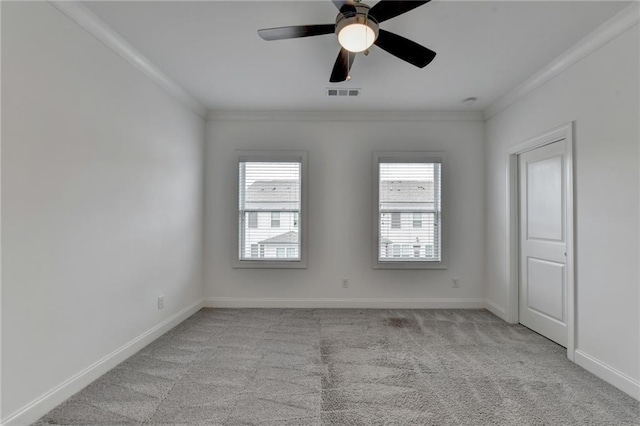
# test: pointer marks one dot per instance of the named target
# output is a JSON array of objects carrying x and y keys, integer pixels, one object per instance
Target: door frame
[{"x": 513, "y": 225}]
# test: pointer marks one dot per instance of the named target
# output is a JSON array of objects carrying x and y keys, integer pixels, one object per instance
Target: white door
[{"x": 543, "y": 243}]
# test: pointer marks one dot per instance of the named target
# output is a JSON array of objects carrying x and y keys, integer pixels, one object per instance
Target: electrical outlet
[
  {"x": 456, "y": 283},
  {"x": 345, "y": 283},
  {"x": 161, "y": 301}
]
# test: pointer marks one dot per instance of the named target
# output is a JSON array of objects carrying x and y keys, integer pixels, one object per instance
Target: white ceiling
[{"x": 485, "y": 48}]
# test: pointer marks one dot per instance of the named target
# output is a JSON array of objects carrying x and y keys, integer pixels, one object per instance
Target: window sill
[
  {"x": 269, "y": 264},
  {"x": 409, "y": 265}
]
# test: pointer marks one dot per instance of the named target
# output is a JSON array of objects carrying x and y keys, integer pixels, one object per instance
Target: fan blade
[
  {"x": 282, "y": 33},
  {"x": 342, "y": 66},
  {"x": 345, "y": 6},
  {"x": 405, "y": 49},
  {"x": 387, "y": 9}
]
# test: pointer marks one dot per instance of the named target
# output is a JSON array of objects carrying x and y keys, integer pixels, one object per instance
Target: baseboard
[
  {"x": 496, "y": 309},
  {"x": 46, "y": 402},
  {"x": 609, "y": 374},
  {"x": 247, "y": 302}
]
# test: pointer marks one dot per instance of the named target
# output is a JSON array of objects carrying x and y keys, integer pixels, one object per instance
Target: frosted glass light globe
[{"x": 356, "y": 37}]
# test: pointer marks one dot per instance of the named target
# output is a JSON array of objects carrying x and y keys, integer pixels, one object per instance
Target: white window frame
[
  {"x": 409, "y": 157},
  {"x": 269, "y": 263}
]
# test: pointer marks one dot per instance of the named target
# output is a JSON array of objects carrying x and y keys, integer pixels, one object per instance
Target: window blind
[
  {"x": 269, "y": 208},
  {"x": 409, "y": 212}
]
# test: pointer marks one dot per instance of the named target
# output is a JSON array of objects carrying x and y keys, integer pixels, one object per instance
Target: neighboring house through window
[
  {"x": 271, "y": 209},
  {"x": 409, "y": 192}
]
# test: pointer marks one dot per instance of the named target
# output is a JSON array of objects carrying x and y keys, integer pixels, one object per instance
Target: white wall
[
  {"x": 102, "y": 202},
  {"x": 601, "y": 94},
  {"x": 339, "y": 219}
]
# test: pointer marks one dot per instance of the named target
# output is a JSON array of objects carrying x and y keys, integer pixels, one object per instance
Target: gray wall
[
  {"x": 340, "y": 220},
  {"x": 601, "y": 94},
  {"x": 101, "y": 202}
]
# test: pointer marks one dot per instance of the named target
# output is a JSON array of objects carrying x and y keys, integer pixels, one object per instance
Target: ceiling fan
[{"x": 357, "y": 28}]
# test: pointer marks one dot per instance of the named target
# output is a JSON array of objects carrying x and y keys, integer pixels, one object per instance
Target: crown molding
[
  {"x": 615, "y": 26},
  {"x": 619, "y": 23},
  {"x": 110, "y": 38},
  {"x": 474, "y": 116}
]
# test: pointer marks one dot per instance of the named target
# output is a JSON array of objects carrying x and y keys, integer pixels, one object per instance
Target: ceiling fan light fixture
[
  {"x": 356, "y": 32},
  {"x": 356, "y": 37},
  {"x": 356, "y": 28}
]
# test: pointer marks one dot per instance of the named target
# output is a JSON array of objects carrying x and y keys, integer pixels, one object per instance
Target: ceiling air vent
[{"x": 343, "y": 93}]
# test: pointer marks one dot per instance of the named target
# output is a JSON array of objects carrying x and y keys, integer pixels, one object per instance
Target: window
[
  {"x": 275, "y": 219},
  {"x": 417, "y": 220},
  {"x": 408, "y": 188},
  {"x": 253, "y": 220},
  {"x": 396, "y": 220},
  {"x": 271, "y": 209},
  {"x": 428, "y": 250}
]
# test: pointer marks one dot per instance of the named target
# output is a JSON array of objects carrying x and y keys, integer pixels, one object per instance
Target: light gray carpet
[{"x": 348, "y": 367}]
